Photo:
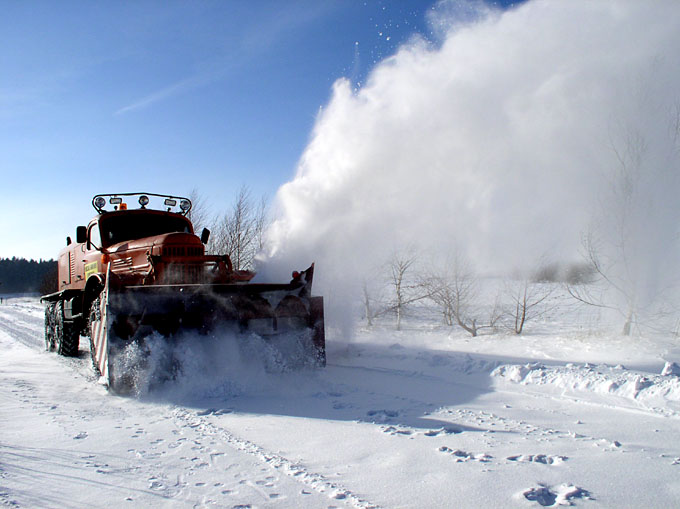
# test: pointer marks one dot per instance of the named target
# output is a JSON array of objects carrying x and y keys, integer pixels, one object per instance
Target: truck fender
[{"x": 93, "y": 287}]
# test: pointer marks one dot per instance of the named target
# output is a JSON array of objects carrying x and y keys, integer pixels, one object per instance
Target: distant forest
[{"x": 18, "y": 275}]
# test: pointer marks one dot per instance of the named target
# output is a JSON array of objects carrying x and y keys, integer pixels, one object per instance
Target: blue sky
[{"x": 169, "y": 96}]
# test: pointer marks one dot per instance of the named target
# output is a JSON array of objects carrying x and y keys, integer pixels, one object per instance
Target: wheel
[
  {"x": 49, "y": 327},
  {"x": 58, "y": 325},
  {"x": 67, "y": 335}
]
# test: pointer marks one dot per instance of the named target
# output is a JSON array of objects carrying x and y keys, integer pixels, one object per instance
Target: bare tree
[
  {"x": 402, "y": 279},
  {"x": 262, "y": 222},
  {"x": 630, "y": 243},
  {"x": 199, "y": 215},
  {"x": 368, "y": 306},
  {"x": 240, "y": 232},
  {"x": 372, "y": 308},
  {"x": 596, "y": 292},
  {"x": 375, "y": 287}
]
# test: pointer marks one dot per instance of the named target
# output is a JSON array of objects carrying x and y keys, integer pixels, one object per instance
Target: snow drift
[{"x": 659, "y": 393}]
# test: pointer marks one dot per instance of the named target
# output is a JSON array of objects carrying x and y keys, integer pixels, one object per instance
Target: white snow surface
[{"x": 422, "y": 417}]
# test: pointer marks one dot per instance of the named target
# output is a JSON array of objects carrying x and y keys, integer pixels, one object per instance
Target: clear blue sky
[{"x": 168, "y": 96}]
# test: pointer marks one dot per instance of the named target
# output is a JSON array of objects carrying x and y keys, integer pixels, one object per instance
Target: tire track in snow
[
  {"x": 31, "y": 336},
  {"x": 317, "y": 482},
  {"x": 30, "y": 313}
]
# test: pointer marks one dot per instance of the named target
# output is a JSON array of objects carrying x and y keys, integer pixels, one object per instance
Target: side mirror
[
  {"x": 68, "y": 241},
  {"x": 81, "y": 234},
  {"x": 205, "y": 235}
]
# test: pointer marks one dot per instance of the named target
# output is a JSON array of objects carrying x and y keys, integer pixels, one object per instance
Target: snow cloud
[{"x": 500, "y": 139}]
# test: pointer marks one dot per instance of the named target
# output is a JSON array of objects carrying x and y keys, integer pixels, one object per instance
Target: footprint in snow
[
  {"x": 340, "y": 495},
  {"x": 155, "y": 484},
  {"x": 382, "y": 415},
  {"x": 441, "y": 431},
  {"x": 552, "y": 497},
  {"x": 396, "y": 430},
  {"x": 80, "y": 436},
  {"x": 462, "y": 456},
  {"x": 538, "y": 458},
  {"x": 214, "y": 411}
]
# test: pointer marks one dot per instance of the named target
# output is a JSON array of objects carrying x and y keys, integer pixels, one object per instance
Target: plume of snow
[{"x": 498, "y": 139}]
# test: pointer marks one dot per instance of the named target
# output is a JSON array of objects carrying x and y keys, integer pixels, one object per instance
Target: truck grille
[{"x": 182, "y": 251}]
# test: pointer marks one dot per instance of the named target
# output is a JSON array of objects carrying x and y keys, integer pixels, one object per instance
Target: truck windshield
[{"x": 119, "y": 228}]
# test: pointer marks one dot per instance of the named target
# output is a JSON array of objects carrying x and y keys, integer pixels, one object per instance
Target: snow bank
[{"x": 660, "y": 393}]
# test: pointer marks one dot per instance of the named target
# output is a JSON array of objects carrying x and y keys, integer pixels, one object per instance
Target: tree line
[{"x": 18, "y": 275}]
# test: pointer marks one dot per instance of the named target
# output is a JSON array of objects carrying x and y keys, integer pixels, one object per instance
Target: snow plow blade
[{"x": 126, "y": 316}]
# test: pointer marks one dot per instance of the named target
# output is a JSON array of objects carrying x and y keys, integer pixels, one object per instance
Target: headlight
[
  {"x": 100, "y": 202},
  {"x": 185, "y": 205},
  {"x": 144, "y": 200}
]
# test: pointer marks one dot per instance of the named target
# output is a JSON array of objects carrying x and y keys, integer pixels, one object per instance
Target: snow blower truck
[{"x": 133, "y": 273}]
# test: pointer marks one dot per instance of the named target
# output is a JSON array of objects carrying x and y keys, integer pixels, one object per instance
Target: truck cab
[{"x": 126, "y": 239}]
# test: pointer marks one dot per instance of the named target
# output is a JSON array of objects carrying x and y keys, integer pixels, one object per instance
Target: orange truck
[{"x": 133, "y": 272}]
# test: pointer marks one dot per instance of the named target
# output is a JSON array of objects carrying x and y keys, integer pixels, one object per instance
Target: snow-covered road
[{"x": 395, "y": 420}]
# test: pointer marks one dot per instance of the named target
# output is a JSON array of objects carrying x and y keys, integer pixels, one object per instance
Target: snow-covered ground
[{"x": 423, "y": 417}]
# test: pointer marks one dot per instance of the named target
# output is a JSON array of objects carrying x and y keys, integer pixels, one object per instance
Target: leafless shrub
[
  {"x": 528, "y": 300},
  {"x": 453, "y": 287}
]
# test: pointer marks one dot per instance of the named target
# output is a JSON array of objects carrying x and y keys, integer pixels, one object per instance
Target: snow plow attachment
[{"x": 127, "y": 319}]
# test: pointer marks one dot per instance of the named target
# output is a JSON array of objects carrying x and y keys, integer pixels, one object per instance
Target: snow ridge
[{"x": 656, "y": 393}]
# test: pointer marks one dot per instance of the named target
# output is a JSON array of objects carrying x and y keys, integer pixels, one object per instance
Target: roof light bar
[{"x": 144, "y": 199}]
